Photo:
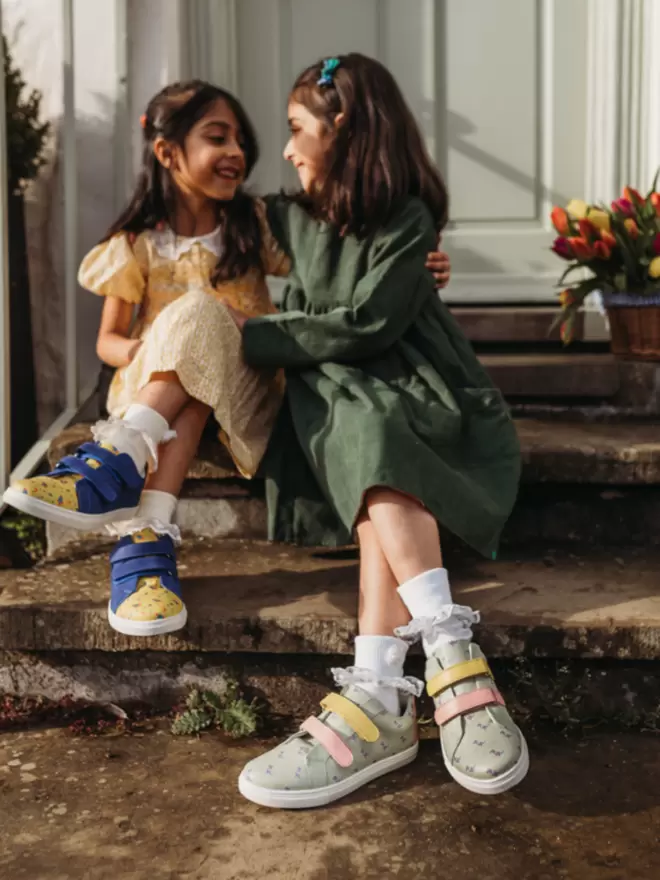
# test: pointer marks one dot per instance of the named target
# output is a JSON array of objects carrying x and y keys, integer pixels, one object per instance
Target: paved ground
[{"x": 151, "y": 807}]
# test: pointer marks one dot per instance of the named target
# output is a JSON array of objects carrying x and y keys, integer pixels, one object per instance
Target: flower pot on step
[{"x": 634, "y": 325}]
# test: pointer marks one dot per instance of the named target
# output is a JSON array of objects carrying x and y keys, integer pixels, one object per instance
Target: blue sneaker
[
  {"x": 145, "y": 590},
  {"x": 95, "y": 486}
]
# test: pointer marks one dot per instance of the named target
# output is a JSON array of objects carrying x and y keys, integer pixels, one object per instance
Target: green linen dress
[{"x": 383, "y": 389}]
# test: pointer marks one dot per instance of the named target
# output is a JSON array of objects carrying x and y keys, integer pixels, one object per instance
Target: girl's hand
[
  {"x": 438, "y": 263},
  {"x": 239, "y": 317}
]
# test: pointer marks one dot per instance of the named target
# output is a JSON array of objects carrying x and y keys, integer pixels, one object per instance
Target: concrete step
[
  {"x": 582, "y": 482},
  {"x": 553, "y": 375},
  {"x": 573, "y": 639},
  {"x": 258, "y": 597}
]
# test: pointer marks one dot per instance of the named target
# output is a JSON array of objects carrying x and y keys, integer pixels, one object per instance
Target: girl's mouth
[{"x": 229, "y": 173}]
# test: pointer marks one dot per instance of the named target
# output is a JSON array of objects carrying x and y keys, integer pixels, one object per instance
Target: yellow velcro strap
[
  {"x": 356, "y": 719},
  {"x": 451, "y": 676}
]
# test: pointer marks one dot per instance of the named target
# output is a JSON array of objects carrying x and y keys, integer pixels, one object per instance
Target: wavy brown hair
[
  {"x": 377, "y": 157},
  {"x": 171, "y": 114}
]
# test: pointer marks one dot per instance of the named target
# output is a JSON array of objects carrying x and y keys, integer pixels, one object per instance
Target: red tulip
[
  {"x": 623, "y": 206},
  {"x": 588, "y": 229},
  {"x": 581, "y": 248},
  {"x": 560, "y": 221},
  {"x": 655, "y": 201},
  {"x": 566, "y": 332},
  {"x": 631, "y": 195},
  {"x": 602, "y": 250},
  {"x": 656, "y": 244},
  {"x": 561, "y": 246}
]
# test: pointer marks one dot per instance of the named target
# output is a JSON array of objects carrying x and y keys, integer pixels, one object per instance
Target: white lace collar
[{"x": 172, "y": 246}]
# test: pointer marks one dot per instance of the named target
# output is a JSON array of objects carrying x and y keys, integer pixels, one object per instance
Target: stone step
[
  {"x": 554, "y": 374},
  {"x": 257, "y": 597},
  {"x": 581, "y": 482},
  {"x": 626, "y": 453}
]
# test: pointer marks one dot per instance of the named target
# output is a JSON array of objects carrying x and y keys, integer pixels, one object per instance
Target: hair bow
[{"x": 330, "y": 65}]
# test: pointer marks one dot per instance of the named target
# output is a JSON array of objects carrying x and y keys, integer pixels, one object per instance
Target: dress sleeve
[
  {"x": 116, "y": 267},
  {"x": 386, "y": 302},
  {"x": 276, "y": 261}
]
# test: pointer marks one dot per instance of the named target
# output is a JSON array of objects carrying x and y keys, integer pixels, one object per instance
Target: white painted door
[{"x": 501, "y": 89}]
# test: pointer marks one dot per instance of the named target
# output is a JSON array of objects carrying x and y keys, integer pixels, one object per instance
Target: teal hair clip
[{"x": 330, "y": 65}]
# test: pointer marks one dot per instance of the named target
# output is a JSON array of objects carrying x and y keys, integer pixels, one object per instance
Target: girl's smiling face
[
  {"x": 211, "y": 163},
  {"x": 308, "y": 146}
]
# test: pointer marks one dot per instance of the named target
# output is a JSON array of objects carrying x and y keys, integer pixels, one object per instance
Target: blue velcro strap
[
  {"x": 122, "y": 464},
  {"x": 143, "y": 567},
  {"x": 163, "y": 546},
  {"x": 105, "y": 482}
]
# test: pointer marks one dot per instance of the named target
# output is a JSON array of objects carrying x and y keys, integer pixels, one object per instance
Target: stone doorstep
[{"x": 260, "y": 598}]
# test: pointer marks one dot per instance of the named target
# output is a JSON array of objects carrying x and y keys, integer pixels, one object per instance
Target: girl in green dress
[{"x": 391, "y": 428}]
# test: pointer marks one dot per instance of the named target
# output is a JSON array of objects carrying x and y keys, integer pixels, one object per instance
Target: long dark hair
[
  {"x": 171, "y": 114},
  {"x": 377, "y": 157}
]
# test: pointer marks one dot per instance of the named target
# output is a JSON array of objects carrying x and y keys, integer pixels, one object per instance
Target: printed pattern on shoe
[
  {"x": 480, "y": 741},
  {"x": 353, "y": 741},
  {"x": 146, "y": 592},
  {"x": 90, "y": 484}
]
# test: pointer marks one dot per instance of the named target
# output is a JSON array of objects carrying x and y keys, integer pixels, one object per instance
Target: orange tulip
[
  {"x": 608, "y": 238},
  {"x": 560, "y": 221},
  {"x": 581, "y": 248},
  {"x": 566, "y": 332},
  {"x": 566, "y": 298},
  {"x": 632, "y": 227},
  {"x": 602, "y": 250},
  {"x": 655, "y": 201}
]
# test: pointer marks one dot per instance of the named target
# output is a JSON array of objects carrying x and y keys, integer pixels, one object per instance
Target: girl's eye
[{"x": 218, "y": 139}]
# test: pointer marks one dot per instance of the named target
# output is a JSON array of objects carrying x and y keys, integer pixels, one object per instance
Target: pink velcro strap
[
  {"x": 331, "y": 741},
  {"x": 465, "y": 703}
]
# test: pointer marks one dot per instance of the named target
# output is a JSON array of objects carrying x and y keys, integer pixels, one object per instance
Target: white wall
[
  {"x": 35, "y": 33},
  {"x": 108, "y": 149}
]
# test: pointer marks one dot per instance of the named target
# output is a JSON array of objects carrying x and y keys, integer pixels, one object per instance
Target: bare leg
[
  {"x": 175, "y": 456},
  {"x": 406, "y": 531},
  {"x": 165, "y": 394},
  {"x": 380, "y": 608}
]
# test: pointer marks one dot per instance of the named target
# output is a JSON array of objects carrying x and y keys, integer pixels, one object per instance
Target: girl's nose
[{"x": 288, "y": 152}]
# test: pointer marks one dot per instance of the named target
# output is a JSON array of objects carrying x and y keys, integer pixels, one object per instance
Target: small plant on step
[{"x": 228, "y": 712}]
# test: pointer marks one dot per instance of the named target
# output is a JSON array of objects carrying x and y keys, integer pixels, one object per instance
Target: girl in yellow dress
[{"x": 190, "y": 242}]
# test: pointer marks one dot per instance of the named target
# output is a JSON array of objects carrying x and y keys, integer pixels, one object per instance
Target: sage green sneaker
[
  {"x": 354, "y": 740},
  {"x": 483, "y": 749}
]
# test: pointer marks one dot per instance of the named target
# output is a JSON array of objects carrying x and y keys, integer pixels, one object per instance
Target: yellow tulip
[
  {"x": 654, "y": 267},
  {"x": 577, "y": 209},
  {"x": 599, "y": 218}
]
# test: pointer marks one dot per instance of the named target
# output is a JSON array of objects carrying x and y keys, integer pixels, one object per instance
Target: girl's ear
[
  {"x": 340, "y": 119},
  {"x": 163, "y": 152}
]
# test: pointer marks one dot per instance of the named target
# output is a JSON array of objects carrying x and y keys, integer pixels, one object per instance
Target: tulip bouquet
[{"x": 614, "y": 250}]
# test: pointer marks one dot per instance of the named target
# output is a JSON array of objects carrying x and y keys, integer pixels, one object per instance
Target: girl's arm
[
  {"x": 113, "y": 345},
  {"x": 386, "y": 301}
]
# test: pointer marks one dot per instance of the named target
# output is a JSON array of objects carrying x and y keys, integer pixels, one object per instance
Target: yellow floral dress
[{"x": 185, "y": 328}]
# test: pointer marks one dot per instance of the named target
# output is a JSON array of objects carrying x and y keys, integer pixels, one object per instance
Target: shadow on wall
[{"x": 44, "y": 218}]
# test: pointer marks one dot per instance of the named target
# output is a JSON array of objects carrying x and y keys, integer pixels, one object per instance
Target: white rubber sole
[
  {"x": 499, "y": 784},
  {"x": 147, "y": 627},
  {"x": 85, "y": 522},
  {"x": 319, "y": 797}
]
